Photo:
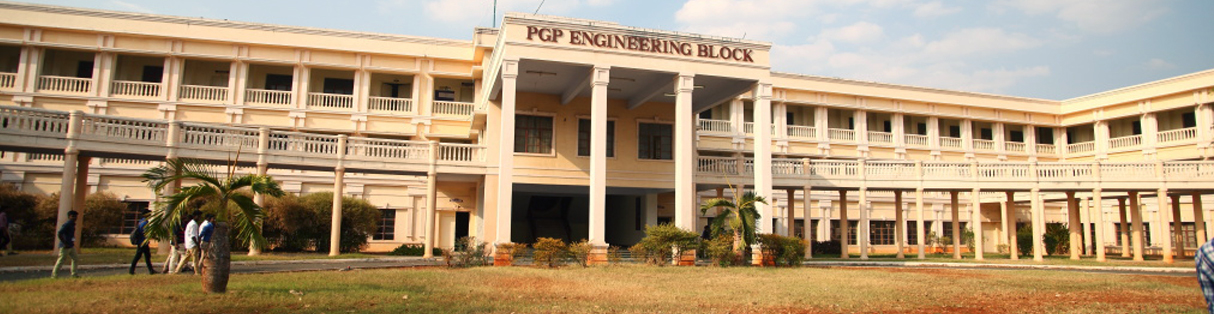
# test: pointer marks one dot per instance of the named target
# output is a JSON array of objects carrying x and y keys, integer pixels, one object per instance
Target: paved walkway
[
  {"x": 243, "y": 267},
  {"x": 1172, "y": 271}
]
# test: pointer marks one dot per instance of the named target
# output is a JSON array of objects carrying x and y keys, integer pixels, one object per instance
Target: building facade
[{"x": 578, "y": 129}]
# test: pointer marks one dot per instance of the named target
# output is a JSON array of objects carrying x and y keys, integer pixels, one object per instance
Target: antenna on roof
[
  {"x": 493, "y": 19},
  {"x": 537, "y": 8}
]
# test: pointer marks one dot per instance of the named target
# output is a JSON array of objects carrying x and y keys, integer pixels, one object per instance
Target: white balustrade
[
  {"x": 389, "y": 104},
  {"x": 135, "y": 88},
  {"x": 1080, "y": 147},
  {"x": 950, "y": 142},
  {"x": 981, "y": 144},
  {"x": 460, "y": 152},
  {"x": 1047, "y": 149},
  {"x": 376, "y": 148},
  {"x": 207, "y": 93},
  {"x": 835, "y": 168},
  {"x": 787, "y": 166},
  {"x": 453, "y": 108},
  {"x": 1063, "y": 171},
  {"x": 33, "y": 121},
  {"x": 947, "y": 170},
  {"x": 272, "y": 97},
  {"x": 880, "y": 137},
  {"x": 890, "y": 170},
  {"x": 306, "y": 143},
  {"x": 845, "y": 135},
  {"x": 330, "y": 101},
  {"x": 1004, "y": 171},
  {"x": 1125, "y": 141},
  {"x": 917, "y": 140},
  {"x": 8, "y": 80},
  {"x": 1128, "y": 171},
  {"x": 123, "y": 130},
  {"x": 748, "y": 127},
  {"x": 718, "y": 165},
  {"x": 802, "y": 131},
  {"x": 65, "y": 84},
  {"x": 221, "y": 137},
  {"x": 1188, "y": 170},
  {"x": 719, "y": 126},
  {"x": 37, "y": 157},
  {"x": 125, "y": 161},
  {"x": 1014, "y": 146},
  {"x": 1177, "y": 135}
]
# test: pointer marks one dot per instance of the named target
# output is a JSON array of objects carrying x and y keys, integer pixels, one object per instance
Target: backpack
[{"x": 137, "y": 234}]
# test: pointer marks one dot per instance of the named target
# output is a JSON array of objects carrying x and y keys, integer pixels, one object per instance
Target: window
[
  {"x": 885, "y": 126},
  {"x": 851, "y": 232},
  {"x": 1146, "y": 233},
  {"x": 1016, "y": 136},
  {"x": 1136, "y": 127},
  {"x": 912, "y": 231},
  {"x": 1188, "y": 120},
  {"x": 278, "y": 82},
  {"x": 338, "y": 86},
  {"x": 954, "y": 131},
  {"x": 1189, "y": 237},
  {"x": 986, "y": 134},
  {"x": 655, "y": 141},
  {"x": 532, "y": 134},
  {"x": 583, "y": 138},
  {"x": 921, "y": 129},
  {"x": 130, "y": 218},
  {"x": 152, "y": 73},
  {"x": 881, "y": 232},
  {"x": 706, "y": 114},
  {"x": 789, "y": 118},
  {"x": 386, "y": 227},
  {"x": 1045, "y": 135}
]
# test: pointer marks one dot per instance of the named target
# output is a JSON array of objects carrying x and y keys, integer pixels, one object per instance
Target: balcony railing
[
  {"x": 206, "y": 93},
  {"x": 453, "y": 108},
  {"x": 202, "y": 136},
  {"x": 802, "y": 131},
  {"x": 880, "y": 137},
  {"x": 1177, "y": 135},
  {"x": 8, "y": 80},
  {"x": 749, "y": 128},
  {"x": 981, "y": 144},
  {"x": 719, "y": 165},
  {"x": 272, "y": 97},
  {"x": 388, "y": 149},
  {"x": 1125, "y": 141},
  {"x": 1081, "y": 147},
  {"x": 123, "y": 130},
  {"x": 389, "y": 104},
  {"x": 719, "y": 126},
  {"x": 461, "y": 152},
  {"x": 1047, "y": 149},
  {"x": 135, "y": 88},
  {"x": 1014, "y": 147},
  {"x": 846, "y": 135},
  {"x": 64, "y": 84},
  {"x": 330, "y": 101},
  {"x": 950, "y": 142},
  {"x": 917, "y": 140}
]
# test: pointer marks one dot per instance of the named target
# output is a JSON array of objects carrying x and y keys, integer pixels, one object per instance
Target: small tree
[
  {"x": 549, "y": 252},
  {"x": 660, "y": 242},
  {"x": 737, "y": 216}
]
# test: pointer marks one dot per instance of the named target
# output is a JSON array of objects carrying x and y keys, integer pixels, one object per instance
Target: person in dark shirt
[
  {"x": 67, "y": 244},
  {"x": 142, "y": 248}
]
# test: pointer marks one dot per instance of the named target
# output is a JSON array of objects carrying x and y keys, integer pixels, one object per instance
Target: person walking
[
  {"x": 204, "y": 237},
  {"x": 67, "y": 245},
  {"x": 1205, "y": 272},
  {"x": 5, "y": 239},
  {"x": 139, "y": 239},
  {"x": 191, "y": 244},
  {"x": 176, "y": 249}
]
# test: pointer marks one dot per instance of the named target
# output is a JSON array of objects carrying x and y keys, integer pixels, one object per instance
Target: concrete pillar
[
  {"x": 1038, "y": 218},
  {"x": 920, "y": 236},
  {"x": 862, "y": 226},
  {"x": 1164, "y": 220},
  {"x": 1178, "y": 226},
  {"x": 431, "y": 201},
  {"x": 791, "y": 213},
  {"x": 1013, "y": 245},
  {"x": 684, "y": 154},
  {"x": 762, "y": 149},
  {"x": 976, "y": 222},
  {"x": 505, "y": 157},
  {"x": 1199, "y": 219},
  {"x": 807, "y": 222},
  {"x": 844, "y": 227},
  {"x": 338, "y": 190},
  {"x": 67, "y": 184},
  {"x": 1003, "y": 224},
  {"x": 899, "y": 221},
  {"x": 598, "y": 156},
  {"x": 1085, "y": 220},
  {"x": 1072, "y": 209},
  {"x": 263, "y": 166},
  {"x": 82, "y": 190},
  {"x": 1136, "y": 235},
  {"x": 1124, "y": 231},
  {"x": 1098, "y": 220}
]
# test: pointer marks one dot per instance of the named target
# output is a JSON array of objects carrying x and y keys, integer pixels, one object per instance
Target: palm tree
[
  {"x": 226, "y": 195},
  {"x": 737, "y": 215}
]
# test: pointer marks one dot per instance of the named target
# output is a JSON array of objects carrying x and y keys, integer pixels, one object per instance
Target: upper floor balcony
[
  {"x": 66, "y": 72},
  {"x": 10, "y": 59}
]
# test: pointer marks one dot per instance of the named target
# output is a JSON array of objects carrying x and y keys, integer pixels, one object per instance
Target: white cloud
[
  {"x": 600, "y": 3},
  {"x": 764, "y": 19},
  {"x": 127, "y": 6},
  {"x": 855, "y": 33},
  {"x": 468, "y": 11},
  {"x": 1092, "y": 15},
  {"x": 1157, "y": 64},
  {"x": 934, "y": 9},
  {"x": 972, "y": 41}
]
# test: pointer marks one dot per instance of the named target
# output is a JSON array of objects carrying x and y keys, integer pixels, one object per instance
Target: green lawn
[
  {"x": 614, "y": 289},
  {"x": 124, "y": 255}
]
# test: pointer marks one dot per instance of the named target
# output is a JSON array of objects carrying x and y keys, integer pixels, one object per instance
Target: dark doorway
[
  {"x": 152, "y": 74},
  {"x": 461, "y": 225},
  {"x": 338, "y": 86},
  {"x": 278, "y": 82},
  {"x": 84, "y": 69},
  {"x": 548, "y": 217}
]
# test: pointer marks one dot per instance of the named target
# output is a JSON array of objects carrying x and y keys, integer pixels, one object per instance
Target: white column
[
  {"x": 1101, "y": 128},
  {"x": 899, "y": 132},
  {"x": 790, "y": 213},
  {"x": 1085, "y": 220},
  {"x": 1038, "y": 216},
  {"x": 976, "y": 222},
  {"x": 1136, "y": 234},
  {"x": 505, "y": 167},
  {"x": 1150, "y": 127},
  {"x": 1030, "y": 142},
  {"x": 431, "y": 202},
  {"x": 1013, "y": 246},
  {"x": 302, "y": 78},
  {"x": 1072, "y": 210},
  {"x": 598, "y": 155},
  {"x": 684, "y": 154},
  {"x": 933, "y": 136},
  {"x": 339, "y": 174},
  {"x": 920, "y": 236},
  {"x": 1199, "y": 219},
  {"x": 862, "y": 226},
  {"x": 1162, "y": 224},
  {"x": 762, "y": 149},
  {"x": 821, "y": 124},
  {"x": 967, "y": 138},
  {"x": 1098, "y": 215},
  {"x": 780, "y": 119},
  {"x": 737, "y": 115},
  {"x": 844, "y": 226},
  {"x": 807, "y": 222},
  {"x": 899, "y": 224},
  {"x": 955, "y": 206},
  {"x": 67, "y": 185},
  {"x": 998, "y": 133}
]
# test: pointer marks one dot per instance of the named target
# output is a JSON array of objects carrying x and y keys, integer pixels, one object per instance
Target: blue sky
[{"x": 1053, "y": 49}]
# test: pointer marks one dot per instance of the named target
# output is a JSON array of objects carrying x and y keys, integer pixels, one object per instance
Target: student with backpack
[{"x": 139, "y": 239}]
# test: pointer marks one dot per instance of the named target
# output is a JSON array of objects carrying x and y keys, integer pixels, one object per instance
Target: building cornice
[
  {"x": 538, "y": 19},
  {"x": 910, "y": 88},
  {"x": 1123, "y": 90}
]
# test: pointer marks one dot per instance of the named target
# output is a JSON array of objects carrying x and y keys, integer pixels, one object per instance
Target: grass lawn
[
  {"x": 124, "y": 255},
  {"x": 994, "y": 258},
  {"x": 622, "y": 289}
]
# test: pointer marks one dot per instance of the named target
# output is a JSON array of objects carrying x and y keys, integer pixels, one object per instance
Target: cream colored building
[{"x": 569, "y": 128}]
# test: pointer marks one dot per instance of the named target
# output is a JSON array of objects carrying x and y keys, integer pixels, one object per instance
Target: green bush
[
  {"x": 414, "y": 250},
  {"x": 514, "y": 250},
  {"x": 720, "y": 250},
  {"x": 1057, "y": 238},
  {"x": 468, "y": 253},
  {"x": 298, "y": 223},
  {"x": 102, "y": 211},
  {"x": 1024, "y": 240},
  {"x": 580, "y": 252},
  {"x": 614, "y": 255},
  {"x": 656, "y": 248},
  {"x": 549, "y": 252},
  {"x": 786, "y": 251}
]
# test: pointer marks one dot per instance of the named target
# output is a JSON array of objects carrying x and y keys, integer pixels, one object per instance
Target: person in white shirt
[{"x": 191, "y": 244}]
